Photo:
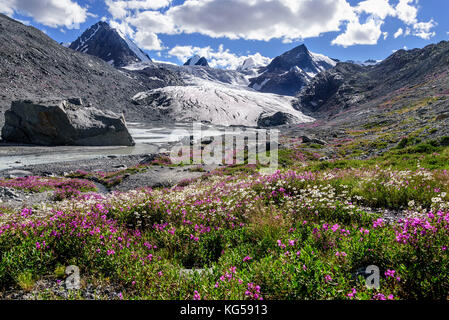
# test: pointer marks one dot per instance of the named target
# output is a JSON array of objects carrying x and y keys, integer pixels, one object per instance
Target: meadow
[{"x": 307, "y": 231}]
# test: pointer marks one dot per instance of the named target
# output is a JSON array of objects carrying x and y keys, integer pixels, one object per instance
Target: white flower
[{"x": 436, "y": 200}]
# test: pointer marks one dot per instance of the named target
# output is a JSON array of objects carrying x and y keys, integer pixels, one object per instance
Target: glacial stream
[{"x": 149, "y": 138}]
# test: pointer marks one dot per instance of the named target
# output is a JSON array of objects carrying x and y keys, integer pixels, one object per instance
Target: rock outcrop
[
  {"x": 276, "y": 119},
  {"x": 60, "y": 122}
]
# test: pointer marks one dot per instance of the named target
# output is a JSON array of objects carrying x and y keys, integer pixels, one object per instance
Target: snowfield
[{"x": 216, "y": 103}]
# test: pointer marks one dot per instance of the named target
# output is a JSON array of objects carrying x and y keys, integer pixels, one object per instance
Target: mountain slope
[
  {"x": 291, "y": 71},
  {"x": 402, "y": 101},
  {"x": 417, "y": 73},
  {"x": 110, "y": 45},
  {"x": 34, "y": 66}
]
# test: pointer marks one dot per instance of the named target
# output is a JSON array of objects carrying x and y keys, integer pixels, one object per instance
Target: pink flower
[
  {"x": 352, "y": 294},
  {"x": 378, "y": 223},
  {"x": 196, "y": 296}
]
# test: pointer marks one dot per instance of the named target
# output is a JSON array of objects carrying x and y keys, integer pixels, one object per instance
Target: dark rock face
[
  {"x": 197, "y": 61},
  {"x": 106, "y": 43},
  {"x": 202, "y": 62},
  {"x": 290, "y": 72},
  {"x": 59, "y": 122},
  {"x": 330, "y": 84},
  {"x": 276, "y": 119}
]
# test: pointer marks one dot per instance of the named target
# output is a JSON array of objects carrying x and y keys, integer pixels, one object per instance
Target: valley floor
[{"x": 307, "y": 231}]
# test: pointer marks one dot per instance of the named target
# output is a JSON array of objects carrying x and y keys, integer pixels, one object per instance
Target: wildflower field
[{"x": 307, "y": 231}]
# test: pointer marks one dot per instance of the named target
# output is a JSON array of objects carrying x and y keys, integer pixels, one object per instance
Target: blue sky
[{"x": 228, "y": 31}]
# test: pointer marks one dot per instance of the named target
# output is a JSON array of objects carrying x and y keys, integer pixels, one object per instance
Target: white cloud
[
  {"x": 288, "y": 20},
  {"x": 261, "y": 19},
  {"x": 406, "y": 12},
  {"x": 357, "y": 33},
  {"x": 52, "y": 13},
  {"x": 399, "y": 33},
  {"x": 122, "y": 8},
  {"x": 154, "y": 21},
  {"x": 148, "y": 40},
  {"x": 423, "y": 29},
  {"x": 379, "y": 8},
  {"x": 216, "y": 58}
]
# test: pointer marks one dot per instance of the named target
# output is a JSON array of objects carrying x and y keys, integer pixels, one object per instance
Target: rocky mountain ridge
[{"x": 110, "y": 45}]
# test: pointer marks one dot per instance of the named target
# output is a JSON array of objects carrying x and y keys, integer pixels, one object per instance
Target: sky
[{"x": 227, "y": 32}]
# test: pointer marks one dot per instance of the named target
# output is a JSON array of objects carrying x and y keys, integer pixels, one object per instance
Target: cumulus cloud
[
  {"x": 260, "y": 19},
  {"x": 148, "y": 40},
  {"x": 423, "y": 29},
  {"x": 154, "y": 21},
  {"x": 399, "y": 33},
  {"x": 287, "y": 20},
  {"x": 379, "y": 8},
  {"x": 52, "y": 13},
  {"x": 406, "y": 11},
  {"x": 120, "y": 9},
  {"x": 357, "y": 33},
  {"x": 222, "y": 58}
]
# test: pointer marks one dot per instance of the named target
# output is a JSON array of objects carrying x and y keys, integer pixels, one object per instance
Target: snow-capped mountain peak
[
  {"x": 196, "y": 60},
  {"x": 109, "y": 44},
  {"x": 248, "y": 64},
  {"x": 288, "y": 73}
]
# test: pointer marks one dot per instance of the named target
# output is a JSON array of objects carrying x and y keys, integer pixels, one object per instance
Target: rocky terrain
[{"x": 33, "y": 66}]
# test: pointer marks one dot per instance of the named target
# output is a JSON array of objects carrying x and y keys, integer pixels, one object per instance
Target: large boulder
[
  {"x": 61, "y": 122},
  {"x": 276, "y": 119}
]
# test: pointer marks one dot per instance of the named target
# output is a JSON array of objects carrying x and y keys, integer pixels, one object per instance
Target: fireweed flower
[
  {"x": 335, "y": 227},
  {"x": 378, "y": 223},
  {"x": 196, "y": 296},
  {"x": 352, "y": 293},
  {"x": 392, "y": 274}
]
